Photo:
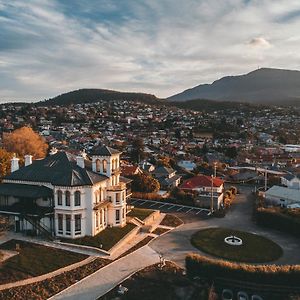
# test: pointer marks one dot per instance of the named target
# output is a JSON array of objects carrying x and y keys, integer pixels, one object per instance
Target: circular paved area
[{"x": 176, "y": 244}]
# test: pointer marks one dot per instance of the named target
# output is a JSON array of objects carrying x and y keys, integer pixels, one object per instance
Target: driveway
[{"x": 176, "y": 244}]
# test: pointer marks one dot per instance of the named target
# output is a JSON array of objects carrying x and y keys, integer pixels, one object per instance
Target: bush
[{"x": 197, "y": 265}]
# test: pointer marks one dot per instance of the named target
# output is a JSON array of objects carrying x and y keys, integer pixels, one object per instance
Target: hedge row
[
  {"x": 274, "y": 218},
  {"x": 197, "y": 265}
]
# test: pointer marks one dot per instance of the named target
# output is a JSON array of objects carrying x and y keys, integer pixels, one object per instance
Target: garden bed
[
  {"x": 153, "y": 283},
  {"x": 160, "y": 230},
  {"x": 34, "y": 260},
  {"x": 255, "y": 248},
  {"x": 43, "y": 290},
  {"x": 171, "y": 220},
  {"x": 107, "y": 238}
]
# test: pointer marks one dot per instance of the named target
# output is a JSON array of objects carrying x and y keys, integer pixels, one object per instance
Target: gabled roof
[
  {"x": 283, "y": 193},
  {"x": 202, "y": 181},
  {"x": 164, "y": 170},
  {"x": 104, "y": 151},
  {"x": 131, "y": 170},
  {"x": 58, "y": 169}
]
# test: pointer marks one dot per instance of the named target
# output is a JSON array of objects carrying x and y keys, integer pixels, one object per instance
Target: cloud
[
  {"x": 259, "y": 42},
  {"x": 48, "y": 47}
]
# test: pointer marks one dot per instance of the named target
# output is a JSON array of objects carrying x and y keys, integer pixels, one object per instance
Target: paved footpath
[{"x": 100, "y": 282}]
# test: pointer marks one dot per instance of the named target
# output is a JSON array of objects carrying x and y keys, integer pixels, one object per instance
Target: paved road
[
  {"x": 176, "y": 244},
  {"x": 100, "y": 282}
]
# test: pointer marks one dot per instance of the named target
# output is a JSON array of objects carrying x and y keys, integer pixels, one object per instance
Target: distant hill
[
  {"x": 262, "y": 86},
  {"x": 94, "y": 95}
]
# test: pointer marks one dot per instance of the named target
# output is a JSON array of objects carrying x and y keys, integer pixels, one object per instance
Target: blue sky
[{"x": 162, "y": 47}]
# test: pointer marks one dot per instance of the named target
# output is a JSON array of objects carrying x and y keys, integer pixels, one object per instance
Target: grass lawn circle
[{"x": 255, "y": 248}]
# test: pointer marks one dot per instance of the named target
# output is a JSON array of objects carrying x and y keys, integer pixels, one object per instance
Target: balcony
[{"x": 120, "y": 187}]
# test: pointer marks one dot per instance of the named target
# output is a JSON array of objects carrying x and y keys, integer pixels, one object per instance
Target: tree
[
  {"x": 137, "y": 151},
  {"x": 144, "y": 183},
  {"x": 5, "y": 162},
  {"x": 24, "y": 141}
]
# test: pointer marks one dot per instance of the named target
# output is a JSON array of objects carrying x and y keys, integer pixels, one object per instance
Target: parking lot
[{"x": 167, "y": 207}]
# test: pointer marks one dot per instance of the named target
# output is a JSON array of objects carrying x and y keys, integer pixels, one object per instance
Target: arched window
[
  {"x": 77, "y": 198},
  {"x": 68, "y": 198},
  {"x": 100, "y": 194},
  {"x": 59, "y": 197},
  {"x": 116, "y": 164},
  {"x": 98, "y": 163},
  {"x": 104, "y": 165}
]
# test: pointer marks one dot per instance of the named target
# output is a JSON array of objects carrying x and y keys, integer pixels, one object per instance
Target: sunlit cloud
[{"x": 48, "y": 47}]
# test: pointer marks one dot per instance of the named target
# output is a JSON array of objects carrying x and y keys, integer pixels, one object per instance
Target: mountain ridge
[{"x": 261, "y": 86}]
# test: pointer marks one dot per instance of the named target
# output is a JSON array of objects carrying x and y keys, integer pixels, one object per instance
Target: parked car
[
  {"x": 242, "y": 295},
  {"x": 227, "y": 294}
]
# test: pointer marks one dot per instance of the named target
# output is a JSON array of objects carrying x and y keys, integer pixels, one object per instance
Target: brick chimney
[
  {"x": 14, "y": 164},
  {"x": 28, "y": 160}
]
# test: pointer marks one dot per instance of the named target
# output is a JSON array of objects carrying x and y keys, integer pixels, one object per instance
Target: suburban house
[
  {"x": 291, "y": 181},
  {"x": 167, "y": 177},
  {"x": 130, "y": 170},
  {"x": 205, "y": 188},
  {"x": 64, "y": 195},
  {"x": 282, "y": 196}
]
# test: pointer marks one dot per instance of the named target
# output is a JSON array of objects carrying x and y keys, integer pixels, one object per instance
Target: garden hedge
[{"x": 197, "y": 265}]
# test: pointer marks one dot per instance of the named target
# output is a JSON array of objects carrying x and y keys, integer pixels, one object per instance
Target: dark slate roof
[
  {"x": 19, "y": 190},
  {"x": 104, "y": 151},
  {"x": 163, "y": 170},
  {"x": 58, "y": 169}
]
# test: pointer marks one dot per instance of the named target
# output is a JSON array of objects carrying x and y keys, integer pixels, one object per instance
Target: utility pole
[
  {"x": 212, "y": 196},
  {"x": 266, "y": 180},
  {"x": 215, "y": 169}
]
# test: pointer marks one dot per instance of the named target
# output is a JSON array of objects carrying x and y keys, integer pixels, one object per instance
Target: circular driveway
[{"x": 175, "y": 245}]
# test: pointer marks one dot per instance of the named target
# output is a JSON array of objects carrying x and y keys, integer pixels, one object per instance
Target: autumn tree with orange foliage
[
  {"x": 5, "y": 163},
  {"x": 24, "y": 141}
]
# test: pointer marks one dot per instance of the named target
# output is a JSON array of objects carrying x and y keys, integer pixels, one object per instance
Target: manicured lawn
[
  {"x": 34, "y": 260},
  {"x": 255, "y": 248},
  {"x": 171, "y": 220},
  {"x": 107, "y": 238},
  {"x": 140, "y": 213}
]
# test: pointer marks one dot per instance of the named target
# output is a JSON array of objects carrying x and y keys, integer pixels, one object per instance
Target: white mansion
[{"x": 64, "y": 195}]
